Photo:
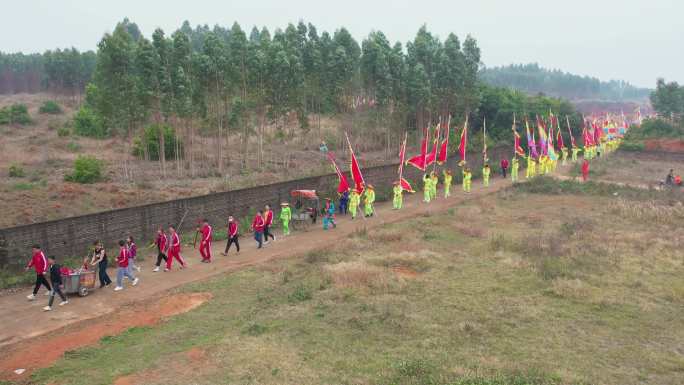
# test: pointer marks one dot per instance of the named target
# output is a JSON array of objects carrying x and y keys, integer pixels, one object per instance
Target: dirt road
[{"x": 24, "y": 322}]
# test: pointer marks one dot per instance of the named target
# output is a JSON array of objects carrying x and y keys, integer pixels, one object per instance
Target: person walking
[
  {"x": 354, "y": 202},
  {"x": 268, "y": 222},
  {"x": 585, "y": 170},
  {"x": 124, "y": 270},
  {"x": 504, "y": 167},
  {"x": 205, "y": 244},
  {"x": 329, "y": 214},
  {"x": 40, "y": 266},
  {"x": 174, "y": 249},
  {"x": 285, "y": 217},
  {"x": 99, "y": 258},
  {"x": 369, "y": 199},
  {"x": 467, "y": 179},
  {"x": 447, "y": 183},
  {"x": 56, "y": 281},
  {"x": 515, "y": 165},
  {"x": 344, "y": 201},
  {"x": 397, "y": 199},
  {"x": 161, "y": 241},
  {"x": 133, "y": 252},
  {"x": 258, "y": 228},
  {"x": 486, "y": 172},
  {"x": 232, "y": 235},
  {"x": 427, "y": 188}
]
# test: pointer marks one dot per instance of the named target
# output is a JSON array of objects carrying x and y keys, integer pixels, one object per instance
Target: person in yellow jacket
[
  {"x": 397, "y": 201},
  {"x": 354, "y": 201},
  {"x": 285, "y": 217},
  {"x": 486, "y": 173},
  {"x": 531, "y": 167},
  {"x": 467, "y": 179},
  {"x": 433, "y": 185},
  {"x": 515, "y": 166},
  {"x": 575, "y": 151},
  {"x": 427, "y": 187},
  {"x": 369, "y": 199},
  {"x": 564, "y": 155},
  {"x": 447, "y": 183}
]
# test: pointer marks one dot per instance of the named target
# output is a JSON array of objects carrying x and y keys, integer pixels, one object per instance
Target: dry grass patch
[
  {"x": 420, "y": 261},
  {"x": 358, "y": 275},
  {"x": 649, "y": 212},
  {"x": 571, "y": 288}
]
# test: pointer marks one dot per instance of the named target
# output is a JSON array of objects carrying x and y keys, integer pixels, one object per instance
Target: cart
[
  {"x": 306, "y": 208},
  {"x": 79, "y": 282}
]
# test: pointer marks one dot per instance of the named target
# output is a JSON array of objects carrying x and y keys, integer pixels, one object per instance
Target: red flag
[
  {"x": 418, "y": 161},
  {"x": 572, "y": 138},
  {"x": 517, "y": 149},
  {"x": 464, "y": 141},
  {"x": 432, "y": 156},
  {"x": 343, "y": 184},
  {"x": 359, "y": 184},
  {"x": 442, "y": 157},
  {"x": 405, "y": 185}
]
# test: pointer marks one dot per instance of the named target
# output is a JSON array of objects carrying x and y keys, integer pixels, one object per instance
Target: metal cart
[{"x": 79, "y": 282}]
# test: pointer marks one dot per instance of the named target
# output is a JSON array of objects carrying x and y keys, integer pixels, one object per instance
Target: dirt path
[{"x": 24, "y": 322}]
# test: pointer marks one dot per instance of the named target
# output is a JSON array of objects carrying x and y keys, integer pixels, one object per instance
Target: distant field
[{"x": 518, "y": 288}]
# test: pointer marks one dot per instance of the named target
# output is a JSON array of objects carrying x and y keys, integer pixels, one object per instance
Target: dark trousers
[
  {"x": 160, "y": 256},
  {"x": 267, "y": 233},
  {"x": 343, "y": 207},
  {"x": 55, "y": 289},
  {"x": 102, "y": 269},
  {"x": 232, "y": 240},
  {"x": 503, "y": 171},
  {"x": 259, "y": 237},
  {"x": 40, "y": 280}
]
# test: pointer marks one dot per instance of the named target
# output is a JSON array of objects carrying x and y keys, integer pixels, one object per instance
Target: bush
[
  {"x": 88, "y": 123},
  {"x": 15, "y": 171},
  {"x": 632, "y": 145},
  {"x": 73, "y": 147},
  {"x": 655, "y": 128},
  {"x": 15, "y": 114},
  {"x": 63, "y": 131},
  {"x": 87, "y": 169},
  {"x": 150, "y": 140},
  {"x": 50, "y": 107}
]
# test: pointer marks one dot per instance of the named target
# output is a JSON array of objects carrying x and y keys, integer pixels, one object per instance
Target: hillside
[{"x": 534, "y": 79}]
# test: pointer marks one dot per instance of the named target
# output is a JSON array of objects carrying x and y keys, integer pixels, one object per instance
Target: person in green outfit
[
  {"x": 369, "y": 199},
  {"x": 447, "y": 183},
  {"x": 530, "y": 171},
  {"x": 486, "y": 172},
  {"x": 467, "y": 179},
  {"x": 433, "y": 185},
  {"x": 515, "y": 166},
  {"x": 285, "y": 217},
  {"x": 427, "y": 187},
  {"x": 354, "y": 201},
  {"x": 575, "y": 151},
  {"x": 398, "y": 199},
  {"x": 564, "y": 155}
]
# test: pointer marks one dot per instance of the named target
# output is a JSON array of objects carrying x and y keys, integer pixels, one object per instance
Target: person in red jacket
[
  {"x": 258, "y": 227},
  {"x": 122, "y": 261},
  {"x": 504, "y": 167},
  {"x": 162, "y": 245},
  {"x": 174, "y": 249},
  {"x": 268, "y": 221},
  {"x": 232, "y": 234},
  {"x": 40, "y": 266},
  {"x": 585, "y": 170},
  {"x": 205, "y": 243}
]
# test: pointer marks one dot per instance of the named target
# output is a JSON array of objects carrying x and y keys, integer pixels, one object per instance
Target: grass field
[{"x": 547, "y": 283}]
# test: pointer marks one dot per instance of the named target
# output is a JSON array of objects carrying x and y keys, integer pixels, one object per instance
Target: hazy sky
[{"x": 632, "y": 40}]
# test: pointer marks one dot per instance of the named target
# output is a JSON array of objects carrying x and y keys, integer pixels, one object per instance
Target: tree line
[
  {"x": 668, "y": 100},
  {"x": 534, "y": 79}
]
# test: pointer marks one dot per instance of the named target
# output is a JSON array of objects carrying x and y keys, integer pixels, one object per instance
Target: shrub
[
  {"x": 87, "y": 169},
  {"x": 301, "y": 293},
  {"x": 50, "y": 107},
  {"x": 15, "y": 171},
  {"x": 632, "y": 145},
  {"x": 15, "y": 114},
  {"x": 88, "y": 123},
  {"x": 63, "y": 131},
  {"x": 655, "y": 128},
  {"x": 73, "y": 147},
  {"x": 150, "y": 140}
]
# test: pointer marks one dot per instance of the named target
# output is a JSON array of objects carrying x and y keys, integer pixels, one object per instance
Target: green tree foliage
[
  {"x": 87, "y": 169},
  {"x": 64, "y": 71},
  {"x": 50, "y": 107},
  {"x": 532, "y": 78},
  {"x": 148, "y": 142},
  {"x": 668, "y": 100},
  {"x": 15, "y": 114},
  {"x": 655, "y": 128},
  {"x": 88, "y": 123}
]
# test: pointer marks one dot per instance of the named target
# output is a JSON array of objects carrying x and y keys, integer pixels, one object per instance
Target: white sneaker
[
  {"x": 31, "y": 297},
  {"x": 274, "y": 237},
  {"x": 63, "y": 303},
  {"x": 135, "y": 281},
  {"x": 47, "y": 292},
  {"x": 165, "y": 269},
  {"x": 156, "y": 269},
  {"x": 118, "y": 288},
  {"x": 138, "y": 268},
  {"x": 266, "y": 242},
  {"x": 47, "y": 308}
]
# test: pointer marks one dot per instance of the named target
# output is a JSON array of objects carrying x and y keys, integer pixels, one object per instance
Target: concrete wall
[{"x": 72, "y": 236}]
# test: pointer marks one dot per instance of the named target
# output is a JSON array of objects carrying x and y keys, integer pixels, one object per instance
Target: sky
[{"x": 633, "y": 40}]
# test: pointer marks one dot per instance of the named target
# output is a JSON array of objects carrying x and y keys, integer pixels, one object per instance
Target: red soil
[{"x": 669, "y": 145}]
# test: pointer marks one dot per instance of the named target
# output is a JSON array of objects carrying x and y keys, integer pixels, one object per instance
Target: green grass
[{"x": 526, "y": 290}]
